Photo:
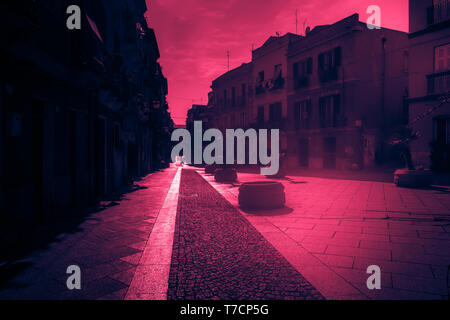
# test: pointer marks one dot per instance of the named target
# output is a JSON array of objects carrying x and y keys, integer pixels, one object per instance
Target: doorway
[
  {"x": 37, "y": 144},
  {"x": 329, "y": 153},
  {"x": 303, "y": 152}
]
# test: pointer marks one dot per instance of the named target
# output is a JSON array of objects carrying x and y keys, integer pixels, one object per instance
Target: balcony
[
  {"x": 438, "y": 83},
  {"x": 275, "y": 84},
  {"x": 259, "y": 89},
  {"x": 438, "y": 13},
  {"x": 327, "y": 75}
]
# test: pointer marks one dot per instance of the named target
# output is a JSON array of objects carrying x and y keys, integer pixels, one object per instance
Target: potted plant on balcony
[{"x": 410, "y": 176}]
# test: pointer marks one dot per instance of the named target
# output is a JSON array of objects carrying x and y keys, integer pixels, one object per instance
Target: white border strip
[{"x": 151, "y": 279}]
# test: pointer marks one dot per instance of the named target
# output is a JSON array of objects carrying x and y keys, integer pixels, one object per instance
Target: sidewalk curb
[{"x": 151, "y": 279}]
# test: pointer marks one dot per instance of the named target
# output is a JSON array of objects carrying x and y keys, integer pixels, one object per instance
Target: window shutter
[
  {"x": 309, "y": 66},
  {"x": 321, "y": 62},
  {"x": 322, "y": 112},
  {"x": 295, "y": 69},
  {"x": 337, "y": 103},
  {"x": 336, "y": 109},
  {"x": 338, "y": 56}
]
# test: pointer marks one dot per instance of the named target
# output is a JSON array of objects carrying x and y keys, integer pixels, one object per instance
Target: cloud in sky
[{"x": 195, "y": 35}]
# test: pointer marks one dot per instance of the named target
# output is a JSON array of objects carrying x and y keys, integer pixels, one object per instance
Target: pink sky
[{"x": 194, "y": 35}]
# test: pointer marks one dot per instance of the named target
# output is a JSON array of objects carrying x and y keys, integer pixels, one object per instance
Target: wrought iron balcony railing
[
  {"x": 301, "y": 82},
  {"x": 275, "y": 84},
  {"x": 281, "y": 124},
  {"x": 438, "y": 83},
  {"x": 259, "y": 89}
]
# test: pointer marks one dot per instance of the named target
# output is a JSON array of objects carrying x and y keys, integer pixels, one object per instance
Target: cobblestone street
[
  {"x": 219, "y": 255},
  {"x": 175, "y": 237}
]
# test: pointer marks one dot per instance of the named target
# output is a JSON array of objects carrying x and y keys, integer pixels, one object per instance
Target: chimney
[{"x": 308, "y": 30}]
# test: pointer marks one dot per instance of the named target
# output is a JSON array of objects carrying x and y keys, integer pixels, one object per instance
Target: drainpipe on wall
[{"x": 383, "y": 94}]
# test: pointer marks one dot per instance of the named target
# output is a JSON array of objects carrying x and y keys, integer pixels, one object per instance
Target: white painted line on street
[{"x": 151, "y": 279}]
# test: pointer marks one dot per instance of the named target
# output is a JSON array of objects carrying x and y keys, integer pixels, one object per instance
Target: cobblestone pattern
[{"x": 217, "y": 254}]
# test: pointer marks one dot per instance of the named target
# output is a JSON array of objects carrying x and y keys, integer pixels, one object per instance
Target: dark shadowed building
[
  {"x": 82, "y": 111},
  {"x": 231, "y": 98}
]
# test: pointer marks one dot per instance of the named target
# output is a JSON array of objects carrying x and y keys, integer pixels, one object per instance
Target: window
[
  {"x": 442, "y": 130},
  {"x": 259, "y": 87},
  {"x": 303, "y": 68},
  {"x": 329, "y": 153},
  {"x": 442, "y": 58},
  {"x": 301, "y": 72},
  {"x": 243, "y": 93},
  {"x": 439, "y": 12},
  {"x": 328, "y": 62},
  {"x": 329, "y": 110},
  {"x": 261, "y": 115},
  {"x": 243, "y": 120},
  {"x": 261, "y": 77},
  {"x": 277, "y": 72},
  {"x": 233, "y": 97},
  {"x": 275, "y": 112},
  {"x": 225, "y": 98},
  {"x": 302, "y": 114}
]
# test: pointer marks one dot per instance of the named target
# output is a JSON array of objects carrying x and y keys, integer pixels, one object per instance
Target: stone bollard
[{"x": 262, "y": 195}]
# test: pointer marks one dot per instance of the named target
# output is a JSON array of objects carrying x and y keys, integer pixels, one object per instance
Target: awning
[{"x": 94, "y": 28}]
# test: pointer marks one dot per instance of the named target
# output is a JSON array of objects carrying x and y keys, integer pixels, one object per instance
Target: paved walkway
[
  {"x": 107, "y": 246},
  {"x": 330, "y": 233},
  {"x": 334, "y": 229},
  {"x": 217, "y": 254}
]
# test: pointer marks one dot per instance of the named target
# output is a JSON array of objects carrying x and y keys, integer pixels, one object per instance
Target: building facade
[
  {"x": 429, "y": 82},
  {"x": 270, "y": 70},
  {"x": 231, "y": 99},
  {"x": 334, "y": 94},
  {"x": 82, "y": 111},
  {"x": 346, "y": 90}
]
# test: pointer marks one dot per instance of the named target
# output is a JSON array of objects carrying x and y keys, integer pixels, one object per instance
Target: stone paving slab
[
  {"x": 151, "y": 279},
  {"x": 343, "y": 226},
  {"x": 107, "y": 246}
]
